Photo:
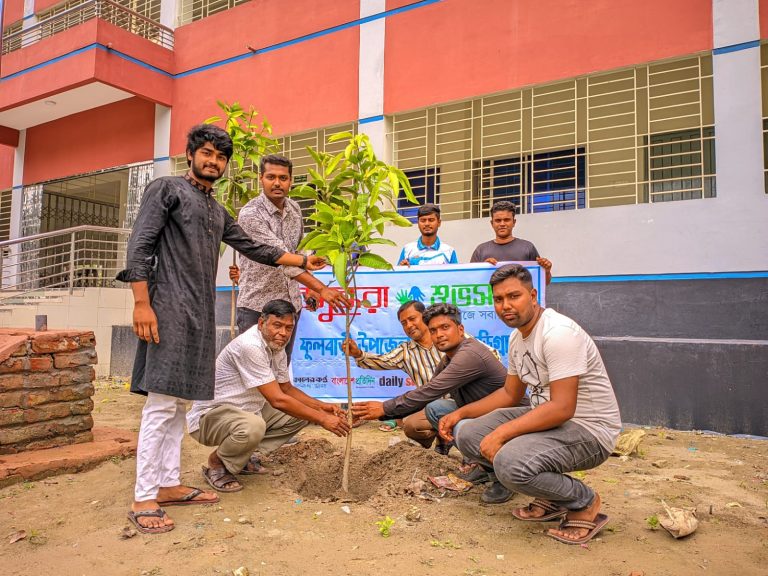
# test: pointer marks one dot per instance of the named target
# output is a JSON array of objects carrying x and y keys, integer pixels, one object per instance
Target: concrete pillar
[
  {"x": 371, "y": 79},
  {"x": 738, "y": 106},
  {"x": 162, "y": 147},
  {"x": 168, "y": 10}
]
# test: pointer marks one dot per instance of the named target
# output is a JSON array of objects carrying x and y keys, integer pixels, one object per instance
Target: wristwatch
[{"x": 304, "y": 261}]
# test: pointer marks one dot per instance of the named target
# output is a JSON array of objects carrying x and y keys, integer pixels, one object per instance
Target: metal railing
[
  {"x": 79, "y": 257},
  {"x": 106, "y": 10}
]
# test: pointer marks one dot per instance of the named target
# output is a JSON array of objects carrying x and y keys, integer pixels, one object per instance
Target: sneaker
[
  {"x": 477, "y": 475},
  {"x": 496, "y": 493}
]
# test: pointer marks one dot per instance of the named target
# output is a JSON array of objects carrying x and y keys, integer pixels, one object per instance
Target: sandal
[
  {"x": 594, "y": 528},
  {"x": 552, "y": 511},
  {"x": 388, "y": 426},
  {"x": 218, "y": 478},
  {"x": 188, "y": 499},
  {"x": 156, "y": 513},
  {"x": 256, "y": 467}
]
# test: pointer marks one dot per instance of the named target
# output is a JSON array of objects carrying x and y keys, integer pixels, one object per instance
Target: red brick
[
  {"x": 60, "y": 394},
  {"x": 12, "y": 416},
  {"x": 43, "y": 379},
  {"x": 61, "y": 427},
  {"x": 12, "y": 365},
  {"x": 79, "y": 375},
  {"x": 46, "y": 343},
  {"x": 12, "y": 399},
  {"x": 39, "y": 363},
  {"x": 22, "y": 350},
  {"x": 12, "y": 345},
  {"x": 72, "y": 359},
  {"x": 11, "y": 382}
]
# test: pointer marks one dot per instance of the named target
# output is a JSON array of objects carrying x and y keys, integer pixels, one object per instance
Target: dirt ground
[{"x": 292, "y": 520}]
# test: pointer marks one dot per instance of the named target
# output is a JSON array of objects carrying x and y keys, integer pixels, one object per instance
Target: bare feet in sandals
[
  {"x": 539, "y": 511},
  {"x": 149, "y": 517},
  {"x": 217, "y": 475},
  {"x": 184, "y": 495},
  {"x": 580, "y": 527}
]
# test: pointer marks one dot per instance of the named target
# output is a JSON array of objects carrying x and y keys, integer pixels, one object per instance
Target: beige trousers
[
  {"x": 238, "y": 433},
  {"x": 418, "y": 428}
]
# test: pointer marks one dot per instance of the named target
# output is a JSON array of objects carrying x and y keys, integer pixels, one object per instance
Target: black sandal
[{"x": 218, "y": 478}]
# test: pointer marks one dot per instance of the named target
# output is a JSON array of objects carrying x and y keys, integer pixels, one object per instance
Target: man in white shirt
[
  {"x": 572, "y": 424},
  {"x": 428, "y": 250},
  {"x": 255, "y": 406}
]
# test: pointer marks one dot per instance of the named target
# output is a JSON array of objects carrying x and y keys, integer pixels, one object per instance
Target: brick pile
[{"x": 46, "y": 384}]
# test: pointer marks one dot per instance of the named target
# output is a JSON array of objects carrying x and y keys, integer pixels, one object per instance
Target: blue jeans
[{"x": 439, "y": 408}]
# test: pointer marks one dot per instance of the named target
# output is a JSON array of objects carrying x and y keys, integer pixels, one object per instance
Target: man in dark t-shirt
[{"x": 505, "y": 247}]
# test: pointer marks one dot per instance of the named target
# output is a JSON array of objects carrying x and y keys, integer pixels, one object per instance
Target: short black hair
[
  {"x": 277, "y": 308},
  {"x": 512, "y": 271},
  {"x": 449, "y": 310},
  {"x": 427, "y": 209},
  {"x": 277, "y": 160},
  {"x": 202, "y": 133},
  {"x": 503, "y": 206},
  {"x": 418, "y": 306}
]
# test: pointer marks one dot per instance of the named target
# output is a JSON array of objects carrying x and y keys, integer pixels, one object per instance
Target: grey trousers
[
  {"x": 534, "y": 464},
  {"x": 238, "y": 433}
]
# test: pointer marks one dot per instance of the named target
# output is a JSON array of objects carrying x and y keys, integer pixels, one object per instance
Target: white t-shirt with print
[
  {"x": 559, "y": 348},
  {"x": 244, "y": 365}
]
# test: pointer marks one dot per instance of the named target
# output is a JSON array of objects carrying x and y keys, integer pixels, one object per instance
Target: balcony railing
[
  {"x": 106, "y": 10},
  {"x": 79, "y": 257}
]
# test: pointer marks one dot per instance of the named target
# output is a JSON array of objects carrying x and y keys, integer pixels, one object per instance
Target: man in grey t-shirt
[
  {"x": 572, "y": 424},
  {"x": 505, "y": 247}
]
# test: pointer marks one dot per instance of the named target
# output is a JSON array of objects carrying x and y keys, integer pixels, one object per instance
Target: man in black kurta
[{"x": 172, "y": 259}]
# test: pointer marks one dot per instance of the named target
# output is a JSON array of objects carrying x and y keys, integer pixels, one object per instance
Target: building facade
[{"x": 631, "y": 135}]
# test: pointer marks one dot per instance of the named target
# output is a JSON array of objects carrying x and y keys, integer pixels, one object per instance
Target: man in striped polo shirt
[{"x": 418, "y": 358}]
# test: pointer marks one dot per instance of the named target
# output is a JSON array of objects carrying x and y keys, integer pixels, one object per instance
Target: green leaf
[
  {"x": 323, "y": 217},
  {"x": 303, "y": 191},
  {"x": 372, "y": 260},
  {"x": 339, "y": 136},
  {"x": 212, "y": 120},
  {"x": 317, "y": 241},
  {"x": 385, "y": 241},
  {"x": 340, "y": 269},
  {"x": 347, "y": 229}
]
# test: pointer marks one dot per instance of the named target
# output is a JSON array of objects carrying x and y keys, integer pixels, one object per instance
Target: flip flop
[
  {"x": 218, "y": 478},
  {"x": 594, "y": 528},
  {"x": 255, "y": 462},
  {"x": 553, "y": 512},
  {"x": 156, "y": 513},
  {"x": 388, "y": 426},
  {"x": 188, "y": 499}
]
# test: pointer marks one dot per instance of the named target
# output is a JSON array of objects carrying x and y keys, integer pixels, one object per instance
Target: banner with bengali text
[{"x": 318, "y": 363}]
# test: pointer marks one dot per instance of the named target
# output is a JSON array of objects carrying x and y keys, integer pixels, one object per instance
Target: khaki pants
[
  {"x": 238, "y": 433},
  {"x": 418, "y": 428}
]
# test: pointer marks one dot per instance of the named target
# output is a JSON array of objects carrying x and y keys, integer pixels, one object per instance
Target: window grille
[
  {"x": 11, "y": 38},
  {"x": 425, "y": 185},
  {"x": 643, "y": 134},
  {"x": 192, "y": 10},
  {"x": 5, "y": 214}
]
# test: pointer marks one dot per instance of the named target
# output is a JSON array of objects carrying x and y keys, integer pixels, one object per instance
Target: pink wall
[
  {"x": 13, "y": 10},
  {"x": 300, "y": 87},
  {"x": 112, "y": 135},
  {"x": 457, "y": 49},
  {"x": 763, "y": 18},
  {"x": 6, "y": 166}
]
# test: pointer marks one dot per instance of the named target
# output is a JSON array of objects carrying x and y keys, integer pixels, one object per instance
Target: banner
[{"x": 318, "y": 361}]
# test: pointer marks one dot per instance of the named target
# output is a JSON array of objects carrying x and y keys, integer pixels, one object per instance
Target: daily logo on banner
[{"x": 318, "y": 363}]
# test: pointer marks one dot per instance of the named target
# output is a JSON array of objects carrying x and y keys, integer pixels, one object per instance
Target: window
[
  {"x": 636, "y": 135},
  {"x": 426, "y": 187},
  {"x": 192, "y": 10}
]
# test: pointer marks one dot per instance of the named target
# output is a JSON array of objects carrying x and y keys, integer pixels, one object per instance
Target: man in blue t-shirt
[{"x": 428, "y": 249}]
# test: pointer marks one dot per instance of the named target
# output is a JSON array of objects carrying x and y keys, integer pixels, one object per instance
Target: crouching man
[
  {"x": 572, "y": 423},
  {"x": 255, "y": 406}
]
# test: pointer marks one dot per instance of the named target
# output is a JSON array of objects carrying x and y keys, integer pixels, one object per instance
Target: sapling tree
[
  {"x": 251, "y": 139},
  {"x": 355, "y": 196}
]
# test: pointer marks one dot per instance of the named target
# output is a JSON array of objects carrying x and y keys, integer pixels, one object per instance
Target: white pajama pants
[{"x": 158, "y": 455}]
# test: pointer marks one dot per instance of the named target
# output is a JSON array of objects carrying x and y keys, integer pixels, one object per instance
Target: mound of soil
[{"x": 313, "y": 469}]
